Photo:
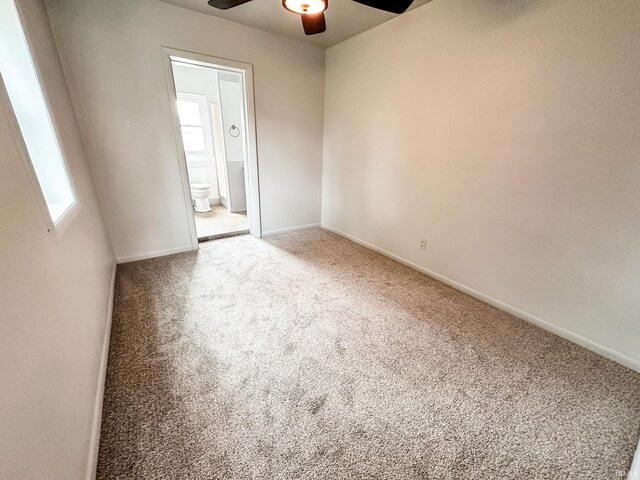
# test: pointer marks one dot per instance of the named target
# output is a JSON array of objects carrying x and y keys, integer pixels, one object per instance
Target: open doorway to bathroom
[{"x": 211, "y": 116}]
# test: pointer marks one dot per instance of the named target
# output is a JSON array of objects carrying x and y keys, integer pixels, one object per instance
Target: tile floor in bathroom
[{"x": 219, "y": 222}]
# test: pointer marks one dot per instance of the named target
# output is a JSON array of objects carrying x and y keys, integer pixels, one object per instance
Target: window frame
[
  {"x": 55, "y": 228},
  {"x": 202, "y": 102}
]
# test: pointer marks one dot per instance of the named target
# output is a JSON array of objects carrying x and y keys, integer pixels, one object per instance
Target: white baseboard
[
  {"x": 289, "y": 230},
  {"x": 94, "y": 442},
  {"x": 154, "y": 254},
  {"x": 545, "y": 325},
  {"x": 634, "y": 471}
]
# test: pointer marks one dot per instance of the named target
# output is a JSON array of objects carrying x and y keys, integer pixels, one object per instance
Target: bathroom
[{"x": 210, "y": 104}]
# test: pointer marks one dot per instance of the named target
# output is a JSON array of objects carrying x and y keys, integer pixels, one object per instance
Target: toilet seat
[{"x": 200, "y": 186}]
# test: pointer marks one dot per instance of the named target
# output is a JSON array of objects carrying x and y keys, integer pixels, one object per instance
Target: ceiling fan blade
[
  {"x": 393, "y": 6},
  {"x": 226, "y": 4},
  {"x": 314, "y": 23}
]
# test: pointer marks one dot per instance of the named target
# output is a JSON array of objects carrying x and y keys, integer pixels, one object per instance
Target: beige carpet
[{"x": 307, "y": 356}]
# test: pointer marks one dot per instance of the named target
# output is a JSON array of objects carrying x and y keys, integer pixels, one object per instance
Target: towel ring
[{"x": 234, "y": 131}]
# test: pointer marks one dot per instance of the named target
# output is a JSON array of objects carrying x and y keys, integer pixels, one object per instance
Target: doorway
[{"x": 212, "y": 108}]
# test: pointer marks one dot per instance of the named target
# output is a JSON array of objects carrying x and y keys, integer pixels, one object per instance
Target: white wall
[
  {"x": 200, "y": 81},
  {"x": 111, "y": 53},
  {"x": 507, "y": 135},
  {"x": 232, "y": 105},
  {"x": 54, "y": 299}
]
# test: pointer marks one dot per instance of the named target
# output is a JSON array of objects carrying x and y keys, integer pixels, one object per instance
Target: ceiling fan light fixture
[
  {"x": 305, "y": 7},
  {"x": 312, "y": 11}
]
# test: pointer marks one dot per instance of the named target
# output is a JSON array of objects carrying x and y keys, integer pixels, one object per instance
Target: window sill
[{"x": 61, "y": 225}]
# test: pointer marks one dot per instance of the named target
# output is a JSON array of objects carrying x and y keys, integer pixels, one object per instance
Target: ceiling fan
[{"x": 312, "y": 11}]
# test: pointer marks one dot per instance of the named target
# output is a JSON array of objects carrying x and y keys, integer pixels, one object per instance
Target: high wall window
[
  {"x": 196, "y": 136},
  {"x": 32, "y": 115}
]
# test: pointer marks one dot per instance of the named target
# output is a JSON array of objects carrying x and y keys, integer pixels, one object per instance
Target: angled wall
[{"x": 54, "y": 297}]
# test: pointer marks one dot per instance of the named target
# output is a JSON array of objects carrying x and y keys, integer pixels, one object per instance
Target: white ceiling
[{"x": 344, "y": 18}]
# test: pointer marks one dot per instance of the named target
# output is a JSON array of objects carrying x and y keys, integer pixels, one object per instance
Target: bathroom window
[
  {"x": 196, "y": 136},
  {"x": 30, "y": 108}
]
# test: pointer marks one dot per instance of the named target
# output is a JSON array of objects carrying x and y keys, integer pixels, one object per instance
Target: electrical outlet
[{"x": 423, "y": 244}]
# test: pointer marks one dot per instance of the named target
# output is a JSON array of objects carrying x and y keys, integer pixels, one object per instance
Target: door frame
[{"x": 252, "y": 184}]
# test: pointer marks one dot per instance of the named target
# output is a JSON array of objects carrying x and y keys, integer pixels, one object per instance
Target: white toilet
[{"x": 200, "y": 193}]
